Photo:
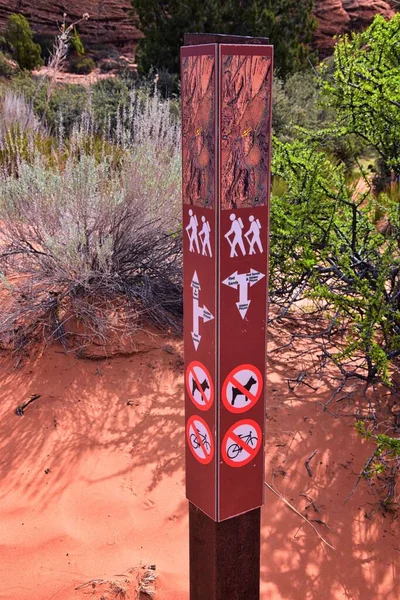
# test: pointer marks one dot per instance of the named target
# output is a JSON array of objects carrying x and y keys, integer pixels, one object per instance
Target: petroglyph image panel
[{"x": 245, "y": 114}]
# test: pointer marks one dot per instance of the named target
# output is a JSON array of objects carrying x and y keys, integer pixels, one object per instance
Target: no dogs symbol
[
  {"x": 241, "y": 443},
  {"x": 242, "y": 388},
  {"x": 199, "y": 385},
  {"x": 199, "y": 438}
]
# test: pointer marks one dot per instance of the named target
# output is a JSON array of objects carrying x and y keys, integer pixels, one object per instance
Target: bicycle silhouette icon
[
  {"x": 200, "y": 440},
  {"x": 235, "y": 449},
  {"x": 241, "y": 443}
]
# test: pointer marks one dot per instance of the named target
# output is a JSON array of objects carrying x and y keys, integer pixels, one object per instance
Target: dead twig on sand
[
  {"x": 307, "y": 463},
  {"x": 92, "y": 583},
  {"x": 20, "y": 409},
  {"x": 363, "y": 473},
  {"x": 279, "y": 495}
]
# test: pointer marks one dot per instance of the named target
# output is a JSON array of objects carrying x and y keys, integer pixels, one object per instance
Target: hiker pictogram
[
  {"x": 241, "y": 443},
  {"x": 199, "y": 312},
  {"x": 252, "y": 236},
  {"x": 199, "y": 385},
  {"x": 243, "y": 281},
  {"x": 196, "y": 237},
  {"x": 199, "y": 438},
  {"x": 204, "y": 236},
  {"x": 235, "y": 236},
  {"x": 242, "y": 388},
  {"x": 191, "y": 230}
]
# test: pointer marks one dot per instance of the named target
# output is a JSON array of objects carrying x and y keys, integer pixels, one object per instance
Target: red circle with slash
[
  {"x": 199, "y": 385},
  {"x": 244, "y": 386},
  {"x": 199, "y": 439},
  {"x": 242, "y": 443}
]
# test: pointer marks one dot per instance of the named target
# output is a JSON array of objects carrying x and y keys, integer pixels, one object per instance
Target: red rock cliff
[
  {"x": 111, "y": 21},
  {"x": 342, "y": 16}
]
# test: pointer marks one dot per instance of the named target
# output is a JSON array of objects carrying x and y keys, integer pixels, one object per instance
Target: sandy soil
[{"x": 92, "y": 482}]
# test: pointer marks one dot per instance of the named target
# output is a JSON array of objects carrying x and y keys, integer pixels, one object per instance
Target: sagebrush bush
[{"x": 90, "y": 240}]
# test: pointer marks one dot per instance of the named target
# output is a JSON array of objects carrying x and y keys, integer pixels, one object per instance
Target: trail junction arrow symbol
[
  {"x": 242, "y": 281},
  {"x": 199, "y": 312}
]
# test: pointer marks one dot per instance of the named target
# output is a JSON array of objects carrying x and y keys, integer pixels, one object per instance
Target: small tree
[
  {"x": 20, "y": 38},
  {"x": 76, "y": 43},
  {"x": 365, "y": 89}
]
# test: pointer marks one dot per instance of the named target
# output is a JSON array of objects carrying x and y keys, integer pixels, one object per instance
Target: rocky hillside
[
  {"x": 342, "y": 16},
  {"x": 111, "y": 21}
]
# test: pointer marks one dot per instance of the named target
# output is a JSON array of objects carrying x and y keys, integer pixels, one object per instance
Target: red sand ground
[{"x": 92, "y": 483}]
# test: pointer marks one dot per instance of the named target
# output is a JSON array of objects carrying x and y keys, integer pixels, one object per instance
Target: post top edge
[{"x": 192, "y": 39}]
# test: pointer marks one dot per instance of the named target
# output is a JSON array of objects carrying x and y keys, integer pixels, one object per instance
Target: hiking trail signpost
[{"x": 226, "y": 123}]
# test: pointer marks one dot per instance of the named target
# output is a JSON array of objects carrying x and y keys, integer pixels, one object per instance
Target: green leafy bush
[
  {"x": 66, "y": 105},
  {"x": 325, "y": 245},
  {"x": 82, "y": 65},
  {"x": 365, "y": 89},
  {"x": 76, "y": 43},
  {"x": 288, "y": 23},
  {"x": 20, "y": 38},
  {"x": 8, "y": 67}
]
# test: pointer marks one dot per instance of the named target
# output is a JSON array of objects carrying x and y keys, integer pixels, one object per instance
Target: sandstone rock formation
[
  {"x": 111, "y": 21},
  {"x": 342, "y": 16}
]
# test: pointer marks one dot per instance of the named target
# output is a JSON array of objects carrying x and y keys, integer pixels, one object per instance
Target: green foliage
[
  {"x": 288, "y": 23},
  {"x": 297, "y": 104},
  {"x": 82, "y": 65},
  {"x": 20, "y": 38},
  {"x": 7, "y": 66},
  {"x": 365, "y": 88},
  {"x": 108, "y": 96},
  {"x": 325, "y": 244},
  {"x": 67, "y": 101},
  {"x": 104, "y": 212},
  {"x": 384, "y": 463},
  {"x": 76, "y": 43}
]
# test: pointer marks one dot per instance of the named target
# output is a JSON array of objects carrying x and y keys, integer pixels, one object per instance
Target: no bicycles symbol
[
  {"x": 242, "y": 388},
  {"x": 199, "y": 438},
  {"x": 241, "y": 443},
  {"x": 199, "y": 385}
]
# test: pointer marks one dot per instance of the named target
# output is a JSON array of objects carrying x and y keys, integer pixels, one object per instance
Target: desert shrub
[
  {"x": 8, "y": 67},
  {"x": 110, "y": 64},
  {"x": 364, "y": 89},
  {"x": 108, "y": 96},
  {"x": 383, "y": 465},
  {"x": 325, "y": 245},
  {"x": 67, "y": 102},
  {"x": 15, "y": 110},
  {"x": 20, "y": 38},
  {"x": 288, "y": 23},
  {"x": 76, "y": 43},
  {"x": 82, "y": 65},
  {"x": 95, "y": 245}
]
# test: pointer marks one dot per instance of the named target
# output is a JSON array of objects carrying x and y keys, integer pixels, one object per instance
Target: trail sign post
[{"x": 226, "y": 123}]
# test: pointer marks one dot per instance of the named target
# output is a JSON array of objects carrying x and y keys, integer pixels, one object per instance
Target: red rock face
[
  {"x": 342, "y": 16},
  {"x": 111, "y": 21}
]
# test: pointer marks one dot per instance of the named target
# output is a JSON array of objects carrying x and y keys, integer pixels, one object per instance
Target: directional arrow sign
[
  {"x": 242, "y": 281},
  {"x": 199, "y": 312}
]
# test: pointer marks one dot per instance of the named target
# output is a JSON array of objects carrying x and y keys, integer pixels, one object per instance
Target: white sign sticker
[{"x": 243, "y": 281}]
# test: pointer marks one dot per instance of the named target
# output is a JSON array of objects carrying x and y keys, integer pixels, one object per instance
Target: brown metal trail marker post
[{"x": 226, "y": 124}]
